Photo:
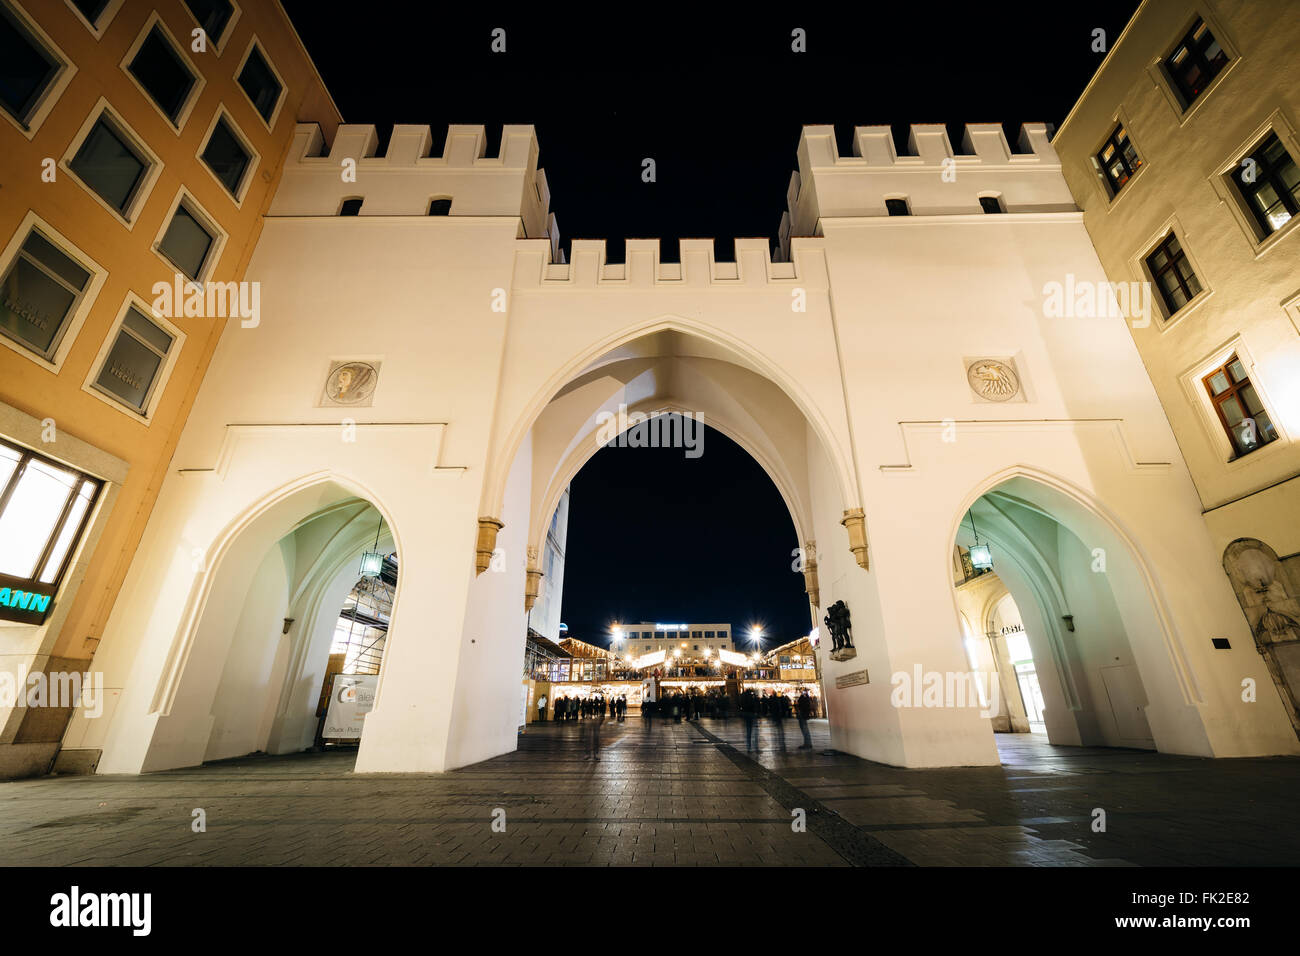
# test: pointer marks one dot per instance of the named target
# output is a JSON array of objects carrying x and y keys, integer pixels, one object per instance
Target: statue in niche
[
  {"x": 1272, "y": 612},
  {"x": 840, "y": 627}
]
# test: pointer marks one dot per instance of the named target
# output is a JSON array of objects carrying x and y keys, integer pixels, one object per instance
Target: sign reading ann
[{"x": 22, "y": 600}]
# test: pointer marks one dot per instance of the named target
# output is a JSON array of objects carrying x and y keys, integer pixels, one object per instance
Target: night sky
[{"x": 717, "y": 100}]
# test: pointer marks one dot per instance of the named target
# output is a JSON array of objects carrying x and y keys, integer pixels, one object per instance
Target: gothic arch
[
  {"x": 502, "y": 454},
  {"x": 584, "y": 452},
  {"x": 1072, "y": 506},
  {"x": 276, "y": 507}
]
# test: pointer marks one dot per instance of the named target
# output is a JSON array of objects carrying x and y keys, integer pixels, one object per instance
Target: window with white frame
[
  {"x": 112, "y": 164},
  {"x": 39, "y": 295},
  {"x": 134, "y": 364},
  {"x": 227, "y": 156},
  {"x": 189, "y": 241},
  {"x": 1194, "y": 63},
  {"x": 28, "y": 67},
  {"x": 1118, "y": 159},
  {"x": 163, "y": 73},
  {"x": 1239, "y": 408},
  {"x": 44, "y": 511},
  {"x": 259, "y": 81},
  {"x": 1172, "y": 273},
  {"x": 213, "y": 16},
  {"x": 1268, "y": 182},
  {"x": 97, "y": 14},
  {"x": 92, "y": 10}
]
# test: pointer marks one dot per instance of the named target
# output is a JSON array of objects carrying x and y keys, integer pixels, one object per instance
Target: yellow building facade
[{"x": 140, "y": 146}]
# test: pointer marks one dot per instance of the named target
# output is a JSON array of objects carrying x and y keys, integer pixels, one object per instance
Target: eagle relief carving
[{"x": 993, "y": 380}]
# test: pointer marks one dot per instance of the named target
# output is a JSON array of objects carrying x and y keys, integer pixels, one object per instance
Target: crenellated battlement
[
  {"x": 932, "y": 177},
  {"x": 407, "y": 178},
  {"x": 587, "y": 266}
]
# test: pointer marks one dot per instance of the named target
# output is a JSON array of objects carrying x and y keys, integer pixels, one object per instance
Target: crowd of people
[
  {"x": 578, "y": 708},
  {"x": 752, "y": 706},
  {"x": 692, "y": 705}
]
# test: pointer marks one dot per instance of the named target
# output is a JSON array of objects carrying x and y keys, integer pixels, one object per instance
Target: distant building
[{"x": 688, "y": 641}]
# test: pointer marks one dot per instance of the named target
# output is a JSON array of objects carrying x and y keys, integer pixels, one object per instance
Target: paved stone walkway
[{"x": 671, "y": 794}]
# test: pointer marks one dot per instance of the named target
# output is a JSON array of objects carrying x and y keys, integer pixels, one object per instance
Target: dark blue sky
[{"x": 657, "y": 536}]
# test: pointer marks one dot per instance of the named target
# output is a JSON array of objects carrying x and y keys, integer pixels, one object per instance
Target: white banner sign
[{"x": 351, "y": 698}]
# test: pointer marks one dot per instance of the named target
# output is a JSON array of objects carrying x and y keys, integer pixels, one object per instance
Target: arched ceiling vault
[{"x": 669, "y": 371}]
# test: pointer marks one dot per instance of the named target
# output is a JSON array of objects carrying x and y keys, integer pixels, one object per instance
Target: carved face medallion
[
  {"x": 993, "y": 380},
  {"x": 351, "y": 383}
]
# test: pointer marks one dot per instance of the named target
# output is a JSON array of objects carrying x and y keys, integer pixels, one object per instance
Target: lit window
[
  {"x": 29, "y": 68},
  {"x": 1196, "y": 61},
  {"x": 1173, "y": 274},
  {"x": 227, "y": 157},
  {"x": 1240, "y": 411},
  {"x": 109, "y": 164},
  {"x": 163, "y": 74},
  {"x": 1118, "y": 160},
  {"x": 187, "y": 243},
  {"x": 44, "y": 508},
  {"x": 1269, "y": 183},
  {"x": 259, "y": 82},
  {"x": 39, "y": 294},
  {"x": 213, "y": 15},
  {"x": 131, "y": 369}
]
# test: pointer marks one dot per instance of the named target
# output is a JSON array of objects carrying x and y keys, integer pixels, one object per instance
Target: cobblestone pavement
[{"x": 671, "y": 794}]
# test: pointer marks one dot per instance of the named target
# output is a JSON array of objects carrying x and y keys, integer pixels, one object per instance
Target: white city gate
[{"x": 886, "y": 371}]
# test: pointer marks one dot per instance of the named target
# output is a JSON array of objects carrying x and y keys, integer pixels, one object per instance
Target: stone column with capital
[
  {"x": 533, "y": 584},
  {"x": 856, "y": 522},
  {"x": 810, "y": 578},
  {"x": 487, "y": 543}
]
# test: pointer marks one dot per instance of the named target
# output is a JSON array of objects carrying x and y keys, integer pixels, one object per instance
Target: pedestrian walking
[{"x": 803, "y": 710}]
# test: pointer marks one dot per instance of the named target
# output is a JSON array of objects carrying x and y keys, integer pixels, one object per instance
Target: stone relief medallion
[
  {"x": 993, "y": 380},
  {"x": 351, "y": 383}
]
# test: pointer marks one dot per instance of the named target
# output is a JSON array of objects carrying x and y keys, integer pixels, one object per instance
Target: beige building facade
[{"x": 1184, "y": 157}]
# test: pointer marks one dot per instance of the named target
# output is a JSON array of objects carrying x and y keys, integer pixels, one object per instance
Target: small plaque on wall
[{"x": 852, "y": 679}]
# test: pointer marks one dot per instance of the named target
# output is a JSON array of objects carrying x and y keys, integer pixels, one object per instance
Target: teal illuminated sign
[{"x": 19, "y": 601}]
